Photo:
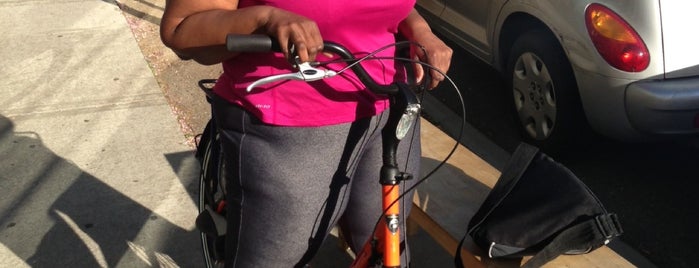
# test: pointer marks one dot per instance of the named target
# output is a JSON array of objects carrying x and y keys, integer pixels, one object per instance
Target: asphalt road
[{"x": 650, "y": 186}]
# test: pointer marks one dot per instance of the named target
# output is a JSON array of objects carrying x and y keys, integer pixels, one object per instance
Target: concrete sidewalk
[{"x": 94, "y": 169}]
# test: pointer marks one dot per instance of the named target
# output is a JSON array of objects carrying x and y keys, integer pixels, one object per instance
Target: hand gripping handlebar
[{"x": 264, "y": 43}]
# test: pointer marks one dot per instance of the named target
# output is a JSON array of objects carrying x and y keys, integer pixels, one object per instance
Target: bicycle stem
[{"x": 404, "y": 109}]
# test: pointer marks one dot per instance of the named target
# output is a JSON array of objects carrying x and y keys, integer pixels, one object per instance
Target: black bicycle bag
[{"x": 539, "y": 208}]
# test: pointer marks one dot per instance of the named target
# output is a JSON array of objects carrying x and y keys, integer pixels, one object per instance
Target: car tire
[{"x": 545, "y": 95}]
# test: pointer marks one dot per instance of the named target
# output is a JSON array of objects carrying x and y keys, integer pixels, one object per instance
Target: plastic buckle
[{"x": 609, "y": 225}]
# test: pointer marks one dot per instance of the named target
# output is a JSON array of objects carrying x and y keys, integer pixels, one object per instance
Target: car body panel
[
  {"x": 604, "y": 105},
  {"x": 433, "y": 8},
  {"x": 476, "y": 24},
  {"x": 664, "y": 107},
  {"x": 482, "y": 27}
]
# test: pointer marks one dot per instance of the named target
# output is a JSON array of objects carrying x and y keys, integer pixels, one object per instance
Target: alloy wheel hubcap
[{"x": 535, "y": 99}]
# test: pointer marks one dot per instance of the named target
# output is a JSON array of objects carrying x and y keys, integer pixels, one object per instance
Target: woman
[{"x": 300, "y": 157}]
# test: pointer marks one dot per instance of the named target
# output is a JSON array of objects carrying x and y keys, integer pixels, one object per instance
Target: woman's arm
[
  {"x": 436, "y": 53},
  {"x": 197, "y": 29}
]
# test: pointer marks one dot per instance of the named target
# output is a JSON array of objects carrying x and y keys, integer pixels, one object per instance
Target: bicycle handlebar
[
  {"x": 265, "y": 43},
  {"x": 405, "y": 106}
]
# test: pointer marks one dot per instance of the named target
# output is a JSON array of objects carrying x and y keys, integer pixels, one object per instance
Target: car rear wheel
[{"x": 545, "y": 95}]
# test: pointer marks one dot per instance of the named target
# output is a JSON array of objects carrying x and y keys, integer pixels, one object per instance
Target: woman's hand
[
  {"x": 434, "y": 51},
  {"x": 292, "y": 29}
]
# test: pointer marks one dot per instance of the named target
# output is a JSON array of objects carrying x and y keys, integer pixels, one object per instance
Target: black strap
[
  {"x": 515, "y": 168},
  {"x": 582, "y": 238},
  {"x": 457, "y": 256}
]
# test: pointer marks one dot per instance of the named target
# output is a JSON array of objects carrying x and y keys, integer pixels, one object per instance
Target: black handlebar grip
[{"x": 251, "y": 43}]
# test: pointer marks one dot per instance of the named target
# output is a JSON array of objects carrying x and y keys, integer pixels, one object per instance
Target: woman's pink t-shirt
[{"x": 360, "y": 25}]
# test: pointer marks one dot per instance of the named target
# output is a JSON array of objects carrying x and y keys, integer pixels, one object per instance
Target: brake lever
[{"x": 306, "y": 73}]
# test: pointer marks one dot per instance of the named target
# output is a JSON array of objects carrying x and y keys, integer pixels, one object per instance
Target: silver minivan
[{"x": 627, "y": 68}]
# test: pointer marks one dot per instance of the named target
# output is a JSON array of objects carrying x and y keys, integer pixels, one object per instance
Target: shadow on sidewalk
[{"x": 53, "y": 214}]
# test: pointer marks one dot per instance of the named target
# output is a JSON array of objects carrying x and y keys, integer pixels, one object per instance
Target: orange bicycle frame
[
  {"x": 385, "y": 242},
  {"x": 390, "y": 230}
]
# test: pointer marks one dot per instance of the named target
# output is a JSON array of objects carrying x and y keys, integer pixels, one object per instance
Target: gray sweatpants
[{"x": 288, "y": 186}]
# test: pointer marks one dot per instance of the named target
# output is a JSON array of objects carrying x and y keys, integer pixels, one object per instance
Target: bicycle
[{"x": 383, "y": 248}]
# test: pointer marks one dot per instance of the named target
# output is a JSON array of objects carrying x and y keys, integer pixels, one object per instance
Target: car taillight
[{"x": 615, "y": 40}]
